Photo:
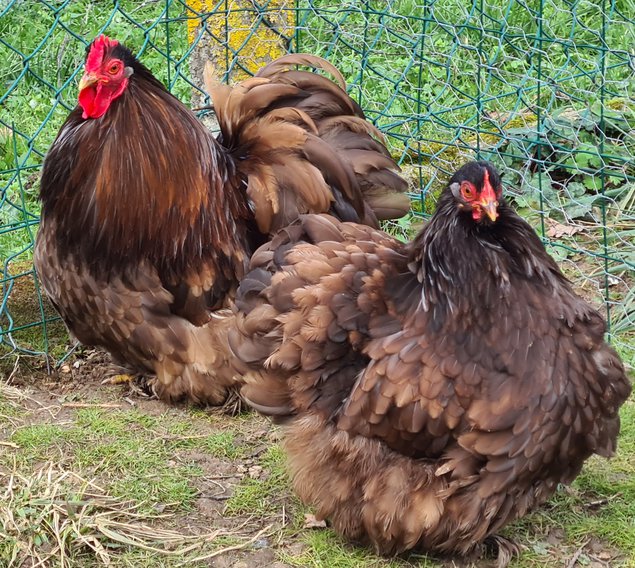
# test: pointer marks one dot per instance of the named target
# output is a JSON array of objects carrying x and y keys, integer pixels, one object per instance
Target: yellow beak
[
  {"x": 87, "y": 80},
  {"x": 489, "y": 206}
]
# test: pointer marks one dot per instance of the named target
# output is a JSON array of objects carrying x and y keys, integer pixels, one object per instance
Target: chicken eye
[
  {"x": 114, "y": 69},
  {"x": 468, "y": 190}
]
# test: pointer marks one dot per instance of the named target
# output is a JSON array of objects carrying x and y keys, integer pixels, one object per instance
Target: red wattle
[
  {"x": 95, "y": 100},
  {"x": 86, "y": 100}
]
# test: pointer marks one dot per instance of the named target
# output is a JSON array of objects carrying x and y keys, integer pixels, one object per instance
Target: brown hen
[
  {"x": 148, "y": 221},
  {"x": 430, "y": 392}
]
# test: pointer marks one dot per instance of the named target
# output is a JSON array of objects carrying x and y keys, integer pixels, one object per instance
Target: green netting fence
[{"x": 544, "y": 88}]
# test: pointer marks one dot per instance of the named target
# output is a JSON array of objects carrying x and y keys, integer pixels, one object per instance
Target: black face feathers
[
  {"x": 475, "y": 172},
  {"x": 122, "y": 52}
]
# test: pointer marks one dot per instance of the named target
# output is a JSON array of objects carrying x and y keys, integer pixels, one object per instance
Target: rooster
[
  {"x": 148, "y": 221},
  {"x": 430, "y": 392}
]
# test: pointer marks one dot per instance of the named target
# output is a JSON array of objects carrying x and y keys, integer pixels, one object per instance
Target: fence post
[{"x": 237, "y": 36}]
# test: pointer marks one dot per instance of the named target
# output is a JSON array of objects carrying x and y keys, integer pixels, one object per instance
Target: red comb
[
  {"x": 486, "y": 181},
  {"x": 97, "y": 51}
]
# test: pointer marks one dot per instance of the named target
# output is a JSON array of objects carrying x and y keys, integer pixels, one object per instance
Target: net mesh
[{"x": 544, "y": 89}]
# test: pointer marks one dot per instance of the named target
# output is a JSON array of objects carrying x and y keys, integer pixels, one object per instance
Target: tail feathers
[
  {"x": 359, "y": 144},
  {"x": 283, "y": 64},
  {"x": 322, "y": 98},
  {"x": 302, "y": 145},
  {"x": 384, "y": 203},
  {"x": 341, "y": 123}
]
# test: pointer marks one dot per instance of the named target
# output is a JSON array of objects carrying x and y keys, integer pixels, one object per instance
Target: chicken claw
[{"x": 118, "y": 379}]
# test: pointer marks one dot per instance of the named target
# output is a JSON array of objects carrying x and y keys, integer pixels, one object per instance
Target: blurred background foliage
[{"x": 544, "y": 89}]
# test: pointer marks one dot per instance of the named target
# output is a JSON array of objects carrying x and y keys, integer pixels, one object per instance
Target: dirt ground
[
  {"x": 53, "y": 398},
  {"x": 240, "y": 491}
]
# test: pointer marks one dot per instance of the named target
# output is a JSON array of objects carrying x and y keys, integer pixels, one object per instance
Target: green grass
[
  {"x": 99, "y": 462},
  {"x": 262, "y": 497},
  {"x": 222, "y": 445},
  {"x": 104, "y": 478},
  {"x": 37, "y": 439},
  {"x": 139, "y": 452},
  {"x": 121, "y": 444},
  {"x": 54, "y": 517},
  {"x": 325, "y": 548}
]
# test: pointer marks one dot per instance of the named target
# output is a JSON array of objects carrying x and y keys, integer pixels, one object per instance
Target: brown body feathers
[
  {"x": 430, "y": 392},
  {"x": 148, "y": 221}
]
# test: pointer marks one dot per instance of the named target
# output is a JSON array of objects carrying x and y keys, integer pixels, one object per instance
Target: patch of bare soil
[{"x": 53, "y": 396}]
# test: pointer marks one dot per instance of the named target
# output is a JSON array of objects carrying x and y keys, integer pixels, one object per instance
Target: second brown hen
[{"x": 430, "y": 392}]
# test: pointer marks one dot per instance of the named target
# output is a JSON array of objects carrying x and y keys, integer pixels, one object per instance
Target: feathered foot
[
  {"x": 504, "y": 549},
  {"x": 234, "y": 404}
]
